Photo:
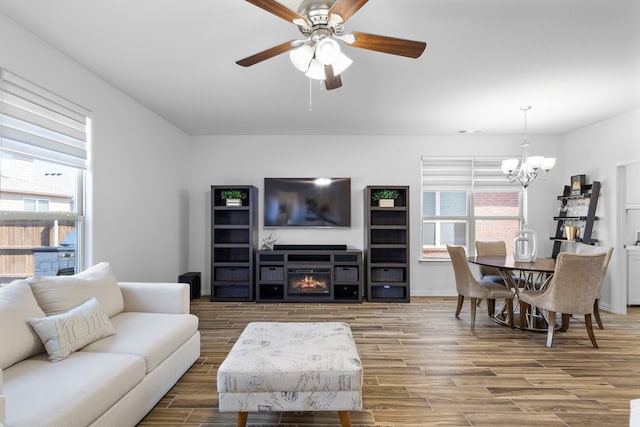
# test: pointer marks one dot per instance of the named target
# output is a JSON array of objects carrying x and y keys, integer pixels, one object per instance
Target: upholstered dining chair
[
  {"x": 495, "y": 248},
  {"x": 572, "y": 289},
  {"x": 467, "y": 286},
  {"x": 589, "y": 249}
]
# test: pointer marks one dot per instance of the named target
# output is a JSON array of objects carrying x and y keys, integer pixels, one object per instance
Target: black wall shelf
[
  {"x": 579, "y": 210},
  {"x": 234, "y": 237},
  {"x": 387, "y": 246}
]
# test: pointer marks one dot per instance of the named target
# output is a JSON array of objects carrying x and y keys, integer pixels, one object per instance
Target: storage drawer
[
  {"x": 391, "y": 274},
  {"x": 232, "y": 274},
  {"x": 346, "y": 274},
  {"x": 271, "y": 292},
  {"x": 346, "y": 292},
  {"x": 386, "y": 291},
  {"x": 272, "y": 273},
  {"x": 231, "y": 291}
]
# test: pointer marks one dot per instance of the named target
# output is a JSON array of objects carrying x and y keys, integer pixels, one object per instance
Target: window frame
[
  {"x": 41, "y": 125},
  {"x": 471, "y": 175}
]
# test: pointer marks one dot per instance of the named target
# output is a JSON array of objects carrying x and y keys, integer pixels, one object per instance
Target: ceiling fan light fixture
[
  {"x": 301, "y": 57},
  {"x": 327, "y": 51}
]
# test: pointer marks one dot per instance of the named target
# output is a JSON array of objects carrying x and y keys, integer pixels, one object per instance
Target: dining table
[{"x": 518, "y": 275}]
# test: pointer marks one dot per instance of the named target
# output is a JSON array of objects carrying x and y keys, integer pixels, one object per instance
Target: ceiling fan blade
[
  {"x": 265, "y": 54},
  {"x": 384, "y": 44},
  {"x": 281, "y": 11},
  {"x": 346, "y": 8},
  {"x": 331, "y": 81}
]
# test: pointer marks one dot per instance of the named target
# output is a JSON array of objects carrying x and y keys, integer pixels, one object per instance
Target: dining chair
[
  {"x": 468, "y": 286},
  {"x": 590, "y": 249},
  {"x": 495, "y": 248},
  {"x": 572, "y": 289}
]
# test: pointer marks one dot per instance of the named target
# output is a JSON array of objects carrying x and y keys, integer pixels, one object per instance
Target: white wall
[
  {"x": 367, "y": 160},
  {"x": 137, "y": 205},
  {"x": 599, "y": 151}
]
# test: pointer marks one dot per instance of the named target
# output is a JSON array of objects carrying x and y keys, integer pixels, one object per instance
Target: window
[
  {"x": 43, "y": 151},
  {"x": 464, "y": 200},
  {"x": 36, "y": 205}
]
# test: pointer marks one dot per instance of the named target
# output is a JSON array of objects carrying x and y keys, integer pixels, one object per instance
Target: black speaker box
[{"x": 193, "y": 279}]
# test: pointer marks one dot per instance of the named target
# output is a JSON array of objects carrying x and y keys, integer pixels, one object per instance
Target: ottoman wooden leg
[
  {"x": 344, "y": 418},
  {"x": 242, "y": 419}
]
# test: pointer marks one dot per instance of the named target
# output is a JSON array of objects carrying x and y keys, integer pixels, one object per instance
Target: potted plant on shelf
[
  {"x": 233, "y": 197},
  {"x": 385, "y": 198}
]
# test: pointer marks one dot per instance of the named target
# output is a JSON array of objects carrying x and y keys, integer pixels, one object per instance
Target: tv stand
[{"x": 299, "y": 274}]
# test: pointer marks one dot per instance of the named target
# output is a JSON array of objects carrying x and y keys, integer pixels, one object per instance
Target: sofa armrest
[
  {"x": 3, "y": 418},
  {"x": 155, "y": 297}
]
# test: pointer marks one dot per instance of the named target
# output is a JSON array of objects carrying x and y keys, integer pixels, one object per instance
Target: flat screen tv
[{"x": 307, "y": 202}]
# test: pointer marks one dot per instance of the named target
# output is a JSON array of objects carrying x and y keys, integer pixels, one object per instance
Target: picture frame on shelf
[{"x": 577, "y": 184}]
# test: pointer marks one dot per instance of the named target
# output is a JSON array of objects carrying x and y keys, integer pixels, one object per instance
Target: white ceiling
[{"x": 575, "y": 61}]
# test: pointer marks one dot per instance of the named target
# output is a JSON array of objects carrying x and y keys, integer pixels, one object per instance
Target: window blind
[
  {"x": 37, "y": 122},
  {"x": 464, "y": 174}
]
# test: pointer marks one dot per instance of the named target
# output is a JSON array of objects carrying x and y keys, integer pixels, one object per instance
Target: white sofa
[{"x": 142, "y": 340}]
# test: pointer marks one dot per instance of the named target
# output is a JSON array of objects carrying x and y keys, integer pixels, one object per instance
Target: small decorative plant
[
  {"x": 232, "y": 194},
  {"x": 384, "y": 195}
]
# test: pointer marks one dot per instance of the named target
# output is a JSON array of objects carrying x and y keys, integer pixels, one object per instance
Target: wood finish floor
[{"x": 424, "y": 367}]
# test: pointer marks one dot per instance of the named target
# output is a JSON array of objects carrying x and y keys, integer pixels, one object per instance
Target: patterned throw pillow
[{"x": 64, "y": 333}]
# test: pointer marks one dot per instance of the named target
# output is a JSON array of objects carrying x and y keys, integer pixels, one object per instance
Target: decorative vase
[
  {"x": 572, "y": 233},
  {"x": 233, "y": 202},
  {"x": 525, "y": 246},
  {"x": 386, "y": 203}
]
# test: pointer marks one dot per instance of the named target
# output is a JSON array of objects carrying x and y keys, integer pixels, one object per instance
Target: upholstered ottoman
[{"x": 278, "y": 367}]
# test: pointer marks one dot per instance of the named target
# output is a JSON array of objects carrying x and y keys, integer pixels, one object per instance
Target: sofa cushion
[
  {"x": 18, "y": 340},
  {"x": 72, "y": 392},
  {"x": 64, "y": 333},
  {"x": 57, "y": 294},
  {"x": 153, "y": 336}
]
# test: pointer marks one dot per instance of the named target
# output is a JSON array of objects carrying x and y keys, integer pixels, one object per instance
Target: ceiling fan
[{"x": 318, "y": 55}]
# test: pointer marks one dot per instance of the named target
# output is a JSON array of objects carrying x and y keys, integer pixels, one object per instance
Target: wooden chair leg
[
  {"x": 565, "y": 322},
  {"x": 596, "y": 313},
  {"x": 523, "y": 315},
  {"x": 473, "y": 313},
  {"x": 344, "y": 418},
  {"x": 551, "y": 329},
  {"x": 587, "y": 322},
  {"x": 242, "y": 419},
  {"x": 459, "y": 308},
  {"x": 491, "y": 307},
  {"x": 510, "y": 312}
]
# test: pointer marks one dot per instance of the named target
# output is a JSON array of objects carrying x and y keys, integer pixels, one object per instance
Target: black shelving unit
[
  {"x": 387, "y": 246},
  {"x": 234, "y": 240},
  {"x": 589, "y": 194}
]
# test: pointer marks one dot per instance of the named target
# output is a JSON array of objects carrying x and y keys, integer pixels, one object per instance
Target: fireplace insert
[{"x": 309, "y": 281}]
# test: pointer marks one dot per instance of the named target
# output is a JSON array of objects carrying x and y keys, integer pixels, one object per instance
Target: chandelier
[{"x": 528, "y": 168}]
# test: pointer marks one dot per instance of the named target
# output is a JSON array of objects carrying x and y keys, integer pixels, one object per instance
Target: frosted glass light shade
[
  {"x": 341, "y": 63},
  {"x": 509, "y": 165},
  {"x": 327, "y": 51},
  {"x": 534, "y": 162},
  {"x": 301, "y": 57},
  {"x": 316, "y": 70},
  {"x": 548, "y": 163}
]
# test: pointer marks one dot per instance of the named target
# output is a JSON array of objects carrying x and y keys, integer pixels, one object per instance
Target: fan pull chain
[{"x": 310, "y": 92}]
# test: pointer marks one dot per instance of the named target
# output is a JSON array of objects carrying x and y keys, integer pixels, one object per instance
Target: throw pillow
[
  {"x": 62, "y": 334},
  {"x": 58, "y": 294},
  {"x": 17, "y": 340}
]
